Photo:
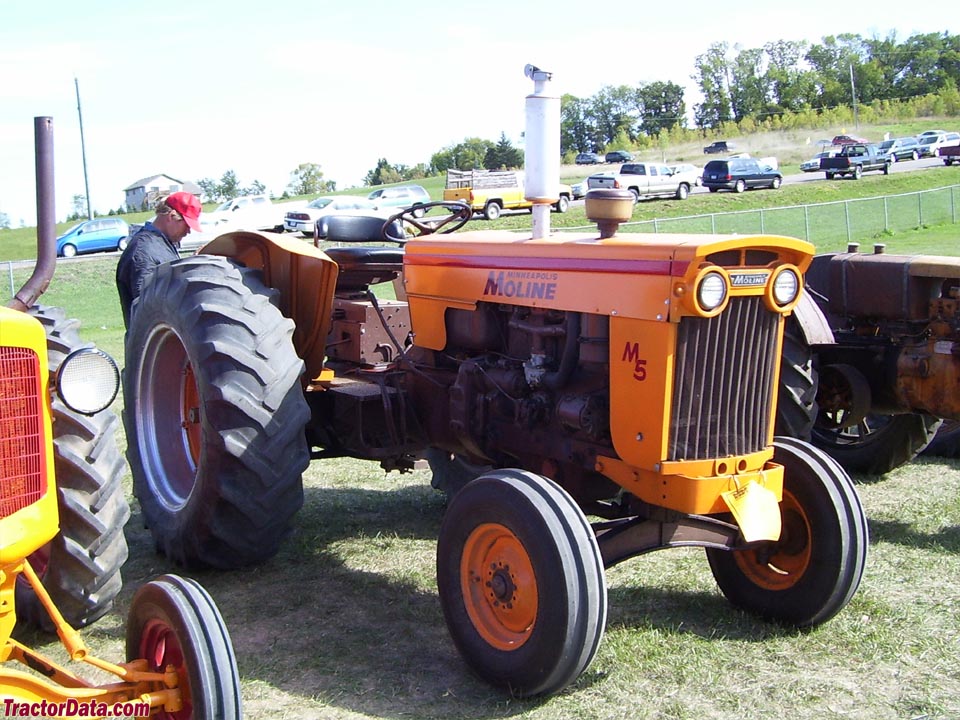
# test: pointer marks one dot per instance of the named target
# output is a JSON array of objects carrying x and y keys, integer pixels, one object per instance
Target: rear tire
[
  {"x": 797, "y": 399},
  {"x": 562, "y": 205},
  {"x": 214, "y": 414},
  {"x": 946, "y": 443},
  {"x": 80, "y": 566},
  {"x": 521, "y": 582},
  {"x": 879, "y": 443},
  {"x": 814, "y": 569},
  {"x": 740, "y": 187},
  {"x": 491, "y": 211},
  {"x": 174, "y": 622}
]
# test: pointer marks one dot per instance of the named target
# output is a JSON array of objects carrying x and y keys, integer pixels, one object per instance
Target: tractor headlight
[
  {"x": 786, "y": 286},
  {"x": 88, "y": 381},
  {"x": 712, "y": 291}
]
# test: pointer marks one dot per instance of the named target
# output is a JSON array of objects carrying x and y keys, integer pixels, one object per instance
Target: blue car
[{"x": 94, "y": 236}]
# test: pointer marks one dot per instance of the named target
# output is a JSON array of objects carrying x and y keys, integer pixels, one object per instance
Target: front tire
[
  {"x": 521, "y": 582},
  {"x": 214, "y": 414},
  {"x": 814, "y": 569},
  {"x": 776, "y": 183},
  {"x": 562, "y": 205},
  {"x": 173, "y": 622},
  {"x": 683, "y": 191},
  {"x": 80, "y": 566}
]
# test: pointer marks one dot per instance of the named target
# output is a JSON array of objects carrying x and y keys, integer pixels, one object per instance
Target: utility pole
[
  {"x": 853, "y": 94},
  {"x": 83, "y": 152}
]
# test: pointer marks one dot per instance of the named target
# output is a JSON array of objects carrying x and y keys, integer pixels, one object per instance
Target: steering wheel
[{"x": 459, "y": 214}]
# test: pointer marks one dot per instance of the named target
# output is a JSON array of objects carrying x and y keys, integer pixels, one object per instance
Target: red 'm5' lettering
[{"x": 631, "y": 353}]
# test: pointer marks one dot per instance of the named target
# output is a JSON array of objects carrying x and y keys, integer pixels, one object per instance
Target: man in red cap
[{"x": 154, "y": 243}]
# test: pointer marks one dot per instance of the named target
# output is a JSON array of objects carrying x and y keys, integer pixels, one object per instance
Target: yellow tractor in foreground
[{"x": 54, "y": 394}]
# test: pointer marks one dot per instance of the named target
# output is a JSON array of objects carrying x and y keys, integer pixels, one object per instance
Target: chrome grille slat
[{"x": 723, "y": 382}]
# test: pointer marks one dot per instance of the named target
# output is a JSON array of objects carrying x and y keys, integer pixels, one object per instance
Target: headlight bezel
[{"x": 87, "y": 381}]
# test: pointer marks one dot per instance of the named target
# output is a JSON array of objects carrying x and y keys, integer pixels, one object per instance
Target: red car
[{"x": 848, "y": 140}]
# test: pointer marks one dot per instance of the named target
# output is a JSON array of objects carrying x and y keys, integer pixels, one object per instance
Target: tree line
[{"x": 783, "y": 77}]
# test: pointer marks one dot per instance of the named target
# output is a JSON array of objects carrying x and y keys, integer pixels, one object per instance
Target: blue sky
[{"x": 195, "y": 89}]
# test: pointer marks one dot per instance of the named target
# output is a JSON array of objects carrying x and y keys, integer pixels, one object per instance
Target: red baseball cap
[{"x": 188, "y": 206}]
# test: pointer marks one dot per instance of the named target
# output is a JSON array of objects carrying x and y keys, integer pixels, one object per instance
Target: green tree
[
  {"x": 661, "y": 107},
  {"x": 465, "y": 155},
  {"x": 503, "y": 155},
  {"x": 229, "y": 186},
  {"x": 307, "y": 179},
  {"x": 614, "y": 112},
  {"x": 713, "y": 77},
  {"x": 210, "y": 189},
  {"x": 577, "y": 131},
  {"x": 4, "y": 221},
  {"x": 383, "y": 174}
]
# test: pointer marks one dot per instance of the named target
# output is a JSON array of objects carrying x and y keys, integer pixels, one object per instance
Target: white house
[{"x": 141, "y": 194}]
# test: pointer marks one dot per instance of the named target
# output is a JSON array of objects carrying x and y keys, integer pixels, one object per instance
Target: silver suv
[{"x": 401, "y": 196}]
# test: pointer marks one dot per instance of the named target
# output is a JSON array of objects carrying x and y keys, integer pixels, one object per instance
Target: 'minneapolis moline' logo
[
  {"x": 534, "y": 285},
  {"x": 748, "y": 279}
]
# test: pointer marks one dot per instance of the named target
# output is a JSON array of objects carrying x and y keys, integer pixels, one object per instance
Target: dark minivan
[{"x": 739, "y": 174}]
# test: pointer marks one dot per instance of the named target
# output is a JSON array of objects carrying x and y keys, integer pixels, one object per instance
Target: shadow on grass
[{"x": 946, "y": 540}]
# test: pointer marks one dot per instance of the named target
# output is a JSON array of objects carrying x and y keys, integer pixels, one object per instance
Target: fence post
[
  {"x": 713, "y": 223},
  {"x": 806, "y": 223},
  {"x": 762, "y": 231},
  {"x": 846, "y": 213},
  {"x": 886, "y": 216},
  {"x": 920, "y": 208}
]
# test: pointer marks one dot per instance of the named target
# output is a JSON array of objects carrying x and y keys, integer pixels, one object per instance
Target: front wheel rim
[
  {"x": 499, "y": 586},
  {"x": 781, "y": 565},
  {"x": 161, "y": 648}
]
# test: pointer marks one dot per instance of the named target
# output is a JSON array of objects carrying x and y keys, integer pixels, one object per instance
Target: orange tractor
[
  {"x": 62, "y": 511},
  {"x": 547, "y": 377}
]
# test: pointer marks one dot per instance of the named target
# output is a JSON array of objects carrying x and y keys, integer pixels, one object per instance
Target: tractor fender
[{"x": 812, "y": 322}]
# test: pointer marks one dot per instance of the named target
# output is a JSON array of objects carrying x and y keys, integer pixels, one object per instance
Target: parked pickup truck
[
  {"x": 644, "y": 180},
  {"x": 491, "y": 191},
  {"x": 950, "y": 154},
  {"x": 855, "y": 160}
]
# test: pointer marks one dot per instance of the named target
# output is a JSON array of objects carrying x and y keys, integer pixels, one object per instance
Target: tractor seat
[
  {"x": 362, "y": 266},
  {"x": 354, "y": 228}
]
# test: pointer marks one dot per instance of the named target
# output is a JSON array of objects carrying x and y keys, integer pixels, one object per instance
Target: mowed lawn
[{"x": 345, "y": 621}]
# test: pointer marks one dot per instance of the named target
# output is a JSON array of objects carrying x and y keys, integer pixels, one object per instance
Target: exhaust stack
[
  {"x": 46, "y": 222},
  {"x": 542, "y": 150}
]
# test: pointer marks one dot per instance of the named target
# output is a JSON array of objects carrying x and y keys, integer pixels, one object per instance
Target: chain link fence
[{"x": 824, "y": 224}]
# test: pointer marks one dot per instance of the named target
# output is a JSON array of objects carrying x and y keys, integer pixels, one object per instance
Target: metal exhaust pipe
[{"x": 39, "y": 281}]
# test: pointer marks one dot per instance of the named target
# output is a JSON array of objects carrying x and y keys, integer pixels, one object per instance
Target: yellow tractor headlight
[
  {"x": 784, "y": 288},
  {"x": 88, "y": 381},
  {"x": 711, "y": 291}
]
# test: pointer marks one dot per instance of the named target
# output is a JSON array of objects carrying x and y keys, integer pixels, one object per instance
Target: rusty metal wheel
[
  {"x": 521, "y": 582},
  {"x": 813, "y": 570},
  {"x": 173, "y": 622}
]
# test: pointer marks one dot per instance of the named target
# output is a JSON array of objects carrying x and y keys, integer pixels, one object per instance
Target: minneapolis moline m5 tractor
[
  {"x": 62, "y": 512},
  {"x": 547, "y": 378}
]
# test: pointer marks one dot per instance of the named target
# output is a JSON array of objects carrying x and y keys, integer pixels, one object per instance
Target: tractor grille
[
  {"x": 723, "y": 382},
  {"x": 22, "y": 476}
]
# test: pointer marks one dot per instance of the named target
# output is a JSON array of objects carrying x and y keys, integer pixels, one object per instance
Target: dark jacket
[{"x": 147, "y": 248}]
